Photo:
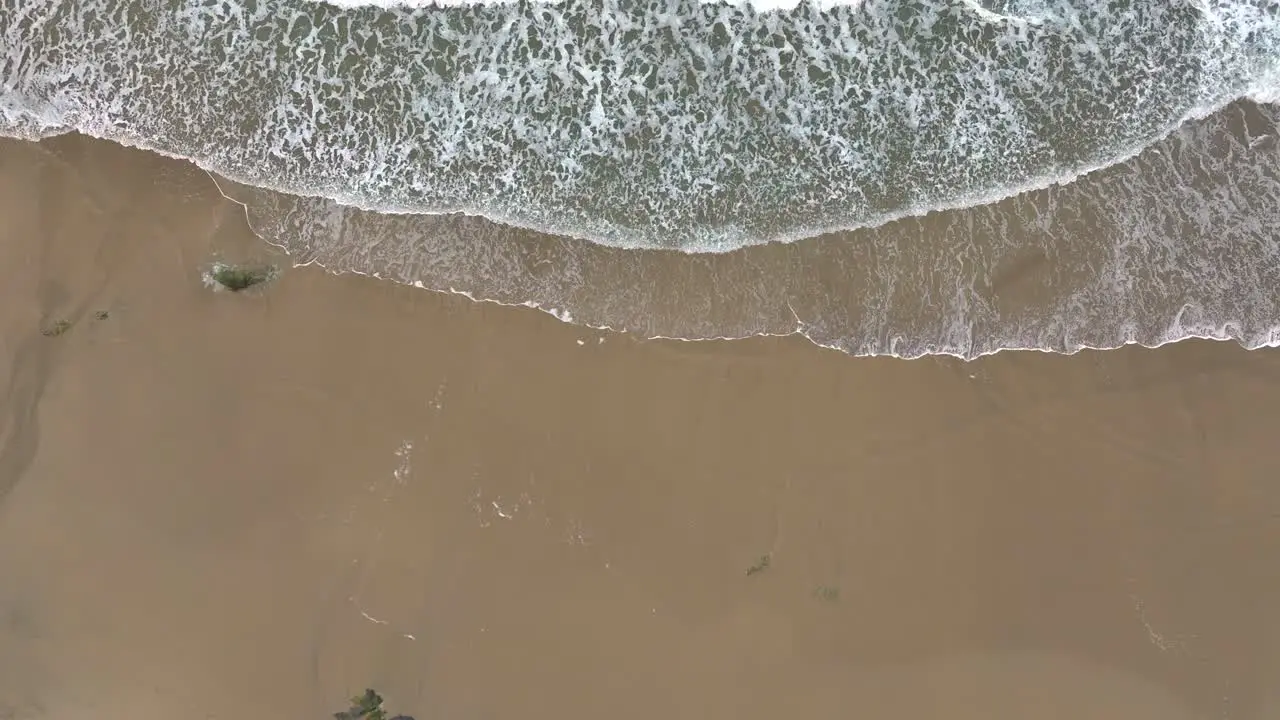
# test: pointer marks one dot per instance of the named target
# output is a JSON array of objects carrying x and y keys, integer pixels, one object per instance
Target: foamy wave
[
  {"x": 622, "y": 130},
  {"x": 760, "y": 5},
  {"x": 667, "y": 123},
  {"x": 1177, "y": 242}
]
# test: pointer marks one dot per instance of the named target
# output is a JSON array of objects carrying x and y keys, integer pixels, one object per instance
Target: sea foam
[
  {"x": 580, "y": 137},
  {"x": 665, "y": 124}
]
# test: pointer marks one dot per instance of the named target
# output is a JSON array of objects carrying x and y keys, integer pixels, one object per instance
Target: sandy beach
[{"x": 255, "y": 505}]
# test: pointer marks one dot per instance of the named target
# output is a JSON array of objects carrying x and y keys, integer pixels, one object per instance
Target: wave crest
[
  {"x": 1177, "y": 242},
  {"x": 666, "y": 123}
]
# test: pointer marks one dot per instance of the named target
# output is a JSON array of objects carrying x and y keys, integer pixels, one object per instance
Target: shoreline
[{"x": 259, "y": 504}]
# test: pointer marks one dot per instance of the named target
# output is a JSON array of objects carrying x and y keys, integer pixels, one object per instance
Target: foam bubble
[
  {"x": 667, "y": 123},
  {"x": 1176, "y": 242},
  {"x": 760, "y": 5},
  {"x": 678, "y": 124}
]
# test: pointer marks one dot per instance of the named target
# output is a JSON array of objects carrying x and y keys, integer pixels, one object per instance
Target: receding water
[{"x": 630, "y": 164}]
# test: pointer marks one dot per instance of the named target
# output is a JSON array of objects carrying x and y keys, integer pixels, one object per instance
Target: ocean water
[{"x": 898, "y": 177}]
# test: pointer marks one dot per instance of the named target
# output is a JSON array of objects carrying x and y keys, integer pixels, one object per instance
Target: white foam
[
  {"x": 640, "y": 127},
  {"x": 607, "y": 138},
  {"x": 760, "y": 5}
]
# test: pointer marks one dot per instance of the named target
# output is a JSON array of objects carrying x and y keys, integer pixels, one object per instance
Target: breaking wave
[{"x": 629, "y": 164}]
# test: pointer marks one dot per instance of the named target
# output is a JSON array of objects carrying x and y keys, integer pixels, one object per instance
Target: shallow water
[{"x": 595, "y": 146}]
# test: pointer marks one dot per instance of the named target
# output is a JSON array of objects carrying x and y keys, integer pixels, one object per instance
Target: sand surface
[{"x": 218, "y": 505}]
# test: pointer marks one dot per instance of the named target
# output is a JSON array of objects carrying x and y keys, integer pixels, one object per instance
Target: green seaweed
[
  {"x": 241, "y": 277},
  {"x": 367, "y": 706}
]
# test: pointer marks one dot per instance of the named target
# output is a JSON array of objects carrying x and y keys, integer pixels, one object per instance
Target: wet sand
[{"x": 218, "y": 505}]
